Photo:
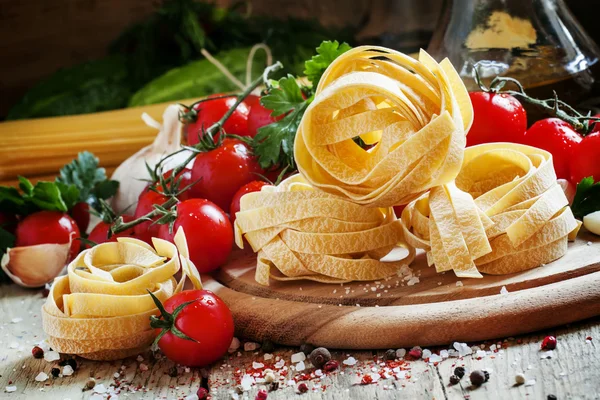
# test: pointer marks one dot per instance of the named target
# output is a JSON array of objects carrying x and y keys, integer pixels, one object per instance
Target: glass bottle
[{"x": 538, "y": 42}]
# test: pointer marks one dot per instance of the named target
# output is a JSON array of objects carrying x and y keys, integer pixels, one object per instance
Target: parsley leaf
[
  {"x": 283, "y": 98},
  {"x": 84, "y": 174},
  {"x": 326, "y": 53},
  {"x": 51, "y": 196},
  {"x": 587, "y": 198}
]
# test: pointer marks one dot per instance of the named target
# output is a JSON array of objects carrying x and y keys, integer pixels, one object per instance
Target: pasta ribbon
[{"x": 100, "y": 310}]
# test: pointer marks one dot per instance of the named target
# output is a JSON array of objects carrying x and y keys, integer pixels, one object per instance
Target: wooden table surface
[{"x": 573, "y": 372}]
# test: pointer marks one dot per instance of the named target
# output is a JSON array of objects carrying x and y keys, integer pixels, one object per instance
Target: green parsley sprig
[{"x": 587, "y": 198}]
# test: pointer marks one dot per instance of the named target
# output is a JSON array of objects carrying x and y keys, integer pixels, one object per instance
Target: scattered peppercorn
[
  {"x": 520, "y": 379},
  {"x": 366, "y": 379},
  {"x": 72, "y": 362},
  {"x": 487, "y": 375},
  {"x": 89, "y": 384},
  {"x": 268, "y": 346},
  {"x": 588, "y": 338},
  {"x": 319, "y": 357},
  {"x": 273, "y": 386},
  {"x": 549, "y": 343},
  {"x": 302, "y": 387},
  {"x": 454, "y": 379},
  {"x": 390, "y": 355},
  {"x": 416, "y": 352},
  {"x": 202, "y": 393},
  {"x": 55, "y": 372},
  {"x": 459, "y": 371},
  {"x": 306, "y": 348},
  {"x": 239, "y": 389},
  {"x": 173, "y": 372},
  {"x": 477, "y": 377},
  {"x": 331, "y": 366},
  {"x": 261, "y": 395},
  {"x": 551, "y": 397},
  {"x": 37, "y": 352}
]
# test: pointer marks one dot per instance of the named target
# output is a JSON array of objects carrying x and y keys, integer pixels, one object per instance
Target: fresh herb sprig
[{"x": 587, "y": 198}]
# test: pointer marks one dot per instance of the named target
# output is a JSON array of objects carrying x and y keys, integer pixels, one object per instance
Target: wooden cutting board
[{"x": 440, "y": 309}]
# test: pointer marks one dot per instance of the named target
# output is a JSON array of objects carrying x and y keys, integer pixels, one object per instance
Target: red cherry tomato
[
  {"x": 147, "y": 230},
  {"x": 258, "y": 117},
  {"x": 48, "y": 227},
  {"x": 253, "y": 186},
  {"x": 251, "y": 100},
  {"x": 186, "y": 179},
  {"x": 81, "y": 214},
  {"x": 221, "y": 172},
  {"x": 208, "y": 232},
  {"x": 8, "y": 222},
  {"x": 496, "y": 118},
  {"x": 207, "y": 320},
  {"x": 211, "y": 111},
  {"x": 100, "y": 232},
  {"x": 557, "y": 137},
  {"x": 585, "y": 160}
]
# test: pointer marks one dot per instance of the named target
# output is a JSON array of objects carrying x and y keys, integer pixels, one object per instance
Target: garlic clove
[
  {"x": 568, "y": 188},
  {"x": 591, "y": 222},
  {"x": 34, "y": 266},
  {"x": 132, "y": 173}
]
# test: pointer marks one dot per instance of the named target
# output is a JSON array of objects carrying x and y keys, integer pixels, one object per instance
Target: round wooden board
[{"x": 391, "y": 314}]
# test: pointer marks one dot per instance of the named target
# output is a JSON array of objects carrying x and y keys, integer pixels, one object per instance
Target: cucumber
[
  {"x": 86, "y": 88},
  {"x": 199, "y": 78}
]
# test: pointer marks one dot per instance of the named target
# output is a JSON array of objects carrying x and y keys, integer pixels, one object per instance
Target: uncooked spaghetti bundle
[
  {"x": 101, "y": 309},
  {"x": 505, "y": 213},
  {"x": 415, "y": 114},
  {"x": 303, "y": 233}
]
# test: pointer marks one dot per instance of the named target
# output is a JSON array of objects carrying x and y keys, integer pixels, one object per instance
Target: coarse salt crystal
[
  {"x": 41, "y": 377},
  {"x": 300, "y": 366},
  {"x": 257, "y": 365},
  {"x": 297, "y": 357},
  {"x": 349, "y": 361},
  {"x": 100, "y": 388},
  {"x": 530, "y": 382},
  {"x": 547, "y": 354},
  {"x": 493, "y": 347},
  {"x": 319, "y": 372},
  {"x": 444, "y": 354},
  {"x": 268, "y": 356},
  {"x": 235, "y": 344},
  {"x": 589, "y": 243},
  {"x": 251, "y": 346},
  {"x": 51, "y": 356},
  {"x": 503, "y": 290},
  {"x": 143, "y": 367},
  {"x": 435, "y": 358},
  {"x": 68, "y": 370},
  {"x": 193, "y": 396},
  {"x": 247, "y": 382},
  {"x": 400, "y": 353},
  {"x": 412, "y": 281},
  {"x": 139, "y": 358},
  {"x": 16, "y": 320},
  {"x": 459, "y": 283},
  {"x": 10, "y": 389},
  {"x": 480, "y": 354},
  {"x": 235, "y": 396},
  {"x": 426, "y": 354}
]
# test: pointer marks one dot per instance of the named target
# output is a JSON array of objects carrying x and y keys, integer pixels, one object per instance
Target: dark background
[{"x": 37, "y": 37}]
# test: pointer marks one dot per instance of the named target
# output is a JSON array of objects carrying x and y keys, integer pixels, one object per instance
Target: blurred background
[{"x": 63, "y": 57}]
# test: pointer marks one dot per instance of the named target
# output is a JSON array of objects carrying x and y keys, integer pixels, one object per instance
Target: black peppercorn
[
  {"x": 551, "y": 397},
  {"x": 319, "y": 357},
  {"x": 306, "y": 348},
  {"x": 268, "y": 346},
  {"x": 487, "y": 375},
  {"x": 55, "y": 372},
  {"x": 173, "y": 372},
  {"x": 454, "y": 379},
  {"x": 459, "y": 371},
  {"x": 477, "y": 377},
  {"x": 390, "y": 355},
  {"x": 273, "y": 386}
]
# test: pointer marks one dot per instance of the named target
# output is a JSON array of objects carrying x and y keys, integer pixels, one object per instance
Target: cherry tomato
[
  {"x": 211, "y": 111},
  {"x": 221, "y": 172},
  {"x": 585, "y": 160},
  {"x": 496, "y": 118},
  {"x": 147, "y": 230},
  {"x": 186, "y": 179},
  {"x": 208, "y": 231},
  {"x": 48, "y": 227},
  {"x": 100, "y": 232},
  {"x": 557, "y": 137},
  {"x": 8, "y": 222},
  {"x": 253, "y": 186},
  {"x": 81, "y": 214},
  {"x": 207, "y": 320},
  {"x": 251, "y": 100},
  {"x": 258, "y": 117}
]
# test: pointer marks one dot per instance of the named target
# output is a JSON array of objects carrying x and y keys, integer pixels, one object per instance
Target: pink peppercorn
[
  {"x": 202, "y": 393},
  {"x": 261, "y": 395}
]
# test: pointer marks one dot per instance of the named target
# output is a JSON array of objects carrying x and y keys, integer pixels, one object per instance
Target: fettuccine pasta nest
[
  {"x": 101, "y": 309},
  {"x": 414, "y": 112},
  {"x": 302, "y": 233},
  {"x": 505, "y": 213}
]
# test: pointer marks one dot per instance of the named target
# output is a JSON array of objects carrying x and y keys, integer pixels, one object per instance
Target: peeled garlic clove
[
  {"x": 591, "y": 222},
  {"x": 568, "y": 188},
  {"x": 34, "y": 266},
  {"x": 132, "y": 173}
]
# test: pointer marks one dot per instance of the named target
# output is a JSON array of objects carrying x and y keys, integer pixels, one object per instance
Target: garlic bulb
[
  {"x": 34, "y": 266},
  {"x": 592, "y": 222},
  {"x": 132, "y": 173}
]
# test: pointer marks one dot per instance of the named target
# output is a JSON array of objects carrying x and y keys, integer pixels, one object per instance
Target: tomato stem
[
  {"x": 169, "y": 185},
  {"x": 553, "y": 106},
  {"x": 167, "y": 323}
]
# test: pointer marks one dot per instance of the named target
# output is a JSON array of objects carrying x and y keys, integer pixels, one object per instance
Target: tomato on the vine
[
  {"x": 185, "y": 179},
  {"x": 205, "y": 319},
  {"x": 147, "y": 229},
  {"x": 219, "y": 173},
  {"x": 208, "y": 231},
  {"x": 258, "y": 117},
  {"x": 557, "y": 137},
  {"x": 254, "y": 186},
  {"x": 496, "y": 118},
  {"x": 81, "y": 214},
  {"x": 210, "y": 112},
  {"x": 100, "y": 232},
  {"x": 585, "y": 161},
  {"x": 45, "y": 227}
]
